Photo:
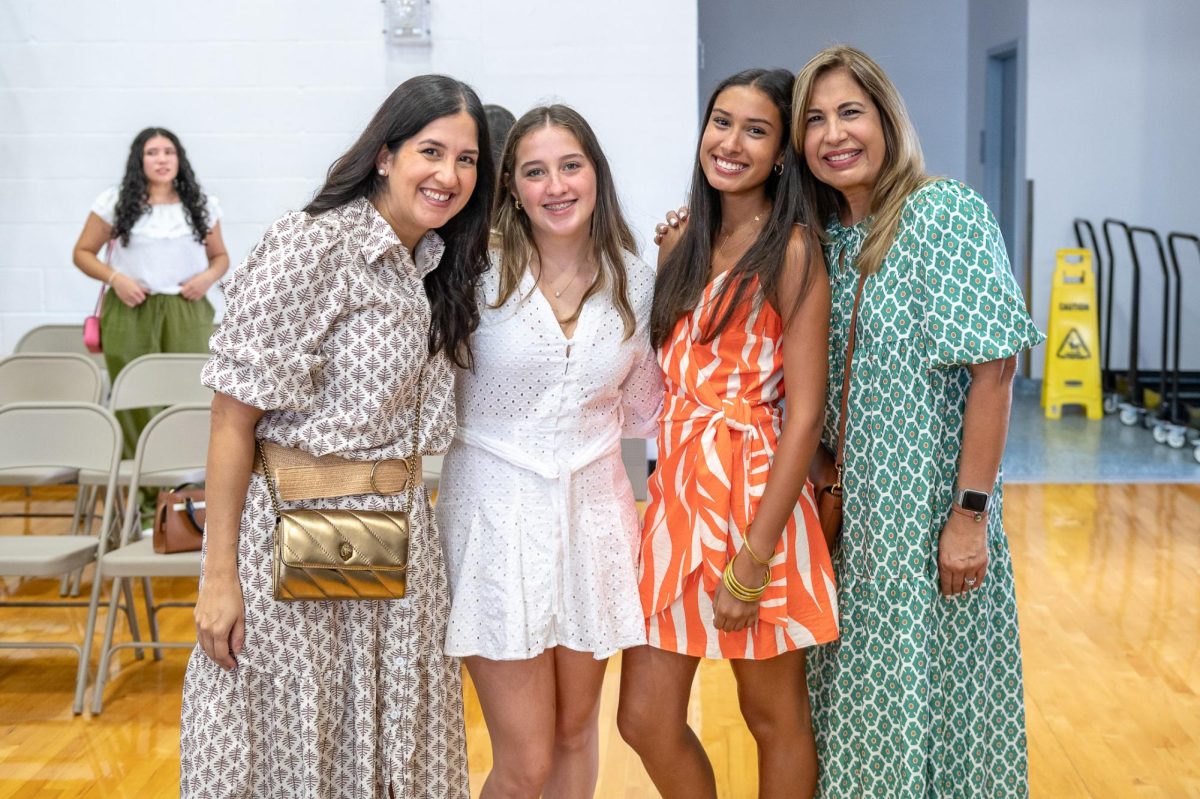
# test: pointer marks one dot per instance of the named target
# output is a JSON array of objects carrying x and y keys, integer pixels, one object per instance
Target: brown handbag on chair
[
  {"x": 827, "y": 468},
  {"x": 179, "y": 520}
]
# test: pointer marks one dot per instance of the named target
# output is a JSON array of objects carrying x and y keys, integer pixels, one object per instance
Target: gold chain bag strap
[
  {"x": 342, "y": 554},
  {"x": 828, "y": 469}
]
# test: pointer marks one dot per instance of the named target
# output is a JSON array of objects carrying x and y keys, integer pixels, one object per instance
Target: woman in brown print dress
[{"x": 341, "y": 320}]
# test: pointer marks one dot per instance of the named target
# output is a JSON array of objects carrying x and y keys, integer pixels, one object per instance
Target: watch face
[{"x": 974, "y": 501}]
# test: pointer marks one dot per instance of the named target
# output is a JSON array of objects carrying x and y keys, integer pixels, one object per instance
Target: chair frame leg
[
  {"x": 106, "y": 647},
  {"x": 88, "y": 634},
  {"x": 135, "y": 631},
  {"x": 151, "y": 615}
]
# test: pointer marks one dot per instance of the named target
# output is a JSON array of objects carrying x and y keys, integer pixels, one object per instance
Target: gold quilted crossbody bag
[{"x": 339, "y": 553}]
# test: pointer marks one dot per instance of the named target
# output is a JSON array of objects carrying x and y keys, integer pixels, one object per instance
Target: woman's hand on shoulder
[
  {"x": 668, "y": 234},
  {"x": 670, "y": 230}
]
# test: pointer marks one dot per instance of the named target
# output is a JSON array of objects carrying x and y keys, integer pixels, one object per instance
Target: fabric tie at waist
[
  {"x": 722, "y": 468},
  {"x": 562, "y": 470}
]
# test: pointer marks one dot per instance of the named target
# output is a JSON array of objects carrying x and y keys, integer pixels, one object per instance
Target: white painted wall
[
  {"x": 266, "y": 94},
  {"x": 922, "y": 45},
  {"x": 1113, "y": 117}
]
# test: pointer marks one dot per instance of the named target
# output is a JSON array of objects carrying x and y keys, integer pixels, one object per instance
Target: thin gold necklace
[
  {"x": 724, "y": 241},
  {"x": 557, "y": 292}
]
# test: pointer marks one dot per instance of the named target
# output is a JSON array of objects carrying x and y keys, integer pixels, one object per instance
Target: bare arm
[
  {"x": 86, "y": 255},
  {"x": 220, "y": 612},
  {"x": 806, "y": 370},
  {"x": 198, "y": 285},
  {"x": 962, "y": 550}
]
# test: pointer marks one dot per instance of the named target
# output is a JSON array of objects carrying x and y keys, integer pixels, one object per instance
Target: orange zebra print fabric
[{"x": 720, "y": 427}]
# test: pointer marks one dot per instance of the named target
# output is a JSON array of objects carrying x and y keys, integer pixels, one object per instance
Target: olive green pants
[{"x": 163, "y": 323}]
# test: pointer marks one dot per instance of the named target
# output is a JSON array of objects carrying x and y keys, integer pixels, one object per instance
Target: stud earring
[
  {"x": 516, "y": 203},
  {"x": 382, "y": 173}
]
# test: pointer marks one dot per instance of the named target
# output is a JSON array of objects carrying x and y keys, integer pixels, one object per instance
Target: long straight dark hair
[
  {"x": 685, "y": 272},
  {"x": 451, "y": 287}
]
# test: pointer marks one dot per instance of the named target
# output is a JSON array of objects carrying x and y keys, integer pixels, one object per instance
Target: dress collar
[
  {"x": 845, "y": 242},
  {"x": 379, "y": 240}
]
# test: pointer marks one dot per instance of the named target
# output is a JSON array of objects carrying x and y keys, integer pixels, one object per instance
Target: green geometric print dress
[{"x": 922, "y": 695}]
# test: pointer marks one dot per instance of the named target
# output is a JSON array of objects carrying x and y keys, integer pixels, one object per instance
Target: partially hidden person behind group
[
  {"x": 535, "y": 509},
  {"x": 161, "y": 237},
  {"x": 500, "y": 121},
  {"x": 733, "y": 562},
  {"x": 343, "y": 328},
  {"x": 922, "y": 694}
]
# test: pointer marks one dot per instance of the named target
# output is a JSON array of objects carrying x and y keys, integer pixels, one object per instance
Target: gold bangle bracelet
[
  {"x": 749, "y": 551},
  {"x": 733, "y": 590},
  {"x": 742, "y": 592}
]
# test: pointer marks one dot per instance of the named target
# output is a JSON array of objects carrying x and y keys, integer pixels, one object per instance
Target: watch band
[{"x": 976, "y": 516}]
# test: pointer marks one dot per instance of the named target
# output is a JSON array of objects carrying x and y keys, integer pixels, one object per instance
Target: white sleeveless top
[{"x": 162, "y": 252}]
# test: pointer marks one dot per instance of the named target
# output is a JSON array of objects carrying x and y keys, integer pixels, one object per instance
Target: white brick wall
[{"x": 266, "y": 93}]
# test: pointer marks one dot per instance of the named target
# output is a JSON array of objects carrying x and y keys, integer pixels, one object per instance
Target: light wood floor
[{"x": 1110, "y": 615}]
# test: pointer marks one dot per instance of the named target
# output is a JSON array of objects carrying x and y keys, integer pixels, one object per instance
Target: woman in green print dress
[{"x": 922, "y": 696}]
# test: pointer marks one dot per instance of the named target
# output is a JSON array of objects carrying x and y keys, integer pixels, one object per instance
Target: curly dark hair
[{"x": 133, "y": 200}]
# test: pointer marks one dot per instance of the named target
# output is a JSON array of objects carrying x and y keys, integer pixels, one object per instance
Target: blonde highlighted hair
[
  {"x": 611, "y": 235},
  {"x": 903, "y": 170}
]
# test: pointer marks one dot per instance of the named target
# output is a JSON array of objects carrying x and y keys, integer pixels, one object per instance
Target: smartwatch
[{"x": 973, "y": 502}]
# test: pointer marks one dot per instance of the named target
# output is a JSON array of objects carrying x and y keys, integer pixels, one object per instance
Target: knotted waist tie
[
  {"x": 722, "y": 488},
  {"x": 562, "y": 470}
]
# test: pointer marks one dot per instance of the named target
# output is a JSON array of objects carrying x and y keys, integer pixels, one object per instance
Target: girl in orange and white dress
[{"x": 741, "y": 309}]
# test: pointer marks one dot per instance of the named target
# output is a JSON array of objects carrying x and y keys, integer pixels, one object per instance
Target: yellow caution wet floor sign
[{"x": 1072, "y": 374}]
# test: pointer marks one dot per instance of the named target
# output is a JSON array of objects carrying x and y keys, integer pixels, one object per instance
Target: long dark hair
[
  {"x": 611, "y": 236},
  {"x": 451, "y": 287},
  {"x": 685, "y": 272},
  {"x": 133, "y": 199}
]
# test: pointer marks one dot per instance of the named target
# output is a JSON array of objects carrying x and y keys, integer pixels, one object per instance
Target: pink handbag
[{"x": 91, "y": 325}]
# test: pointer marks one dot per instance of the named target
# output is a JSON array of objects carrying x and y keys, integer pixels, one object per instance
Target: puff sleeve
[
  {"x": 973, "y": 309},
  {"x": 642, "y": 396},
  {"x": 642, "y": 389},
  {"x": 282, "y": 301}
]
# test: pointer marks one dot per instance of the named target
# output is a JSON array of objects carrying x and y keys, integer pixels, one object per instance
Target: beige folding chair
[
  {"x": 155, "y": 381},
  {"x": 174, "y": 440},
  {"x": 58, "y": 338},
  {"x": 58, "y": 435},
  {"x": 431, "y": 471},
  {"x": 51, "y": 377}
]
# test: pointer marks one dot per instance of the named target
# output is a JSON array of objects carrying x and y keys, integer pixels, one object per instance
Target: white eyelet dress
[
  {"x": 327, "y": 331},
  {"x": 535, "y": 509}
]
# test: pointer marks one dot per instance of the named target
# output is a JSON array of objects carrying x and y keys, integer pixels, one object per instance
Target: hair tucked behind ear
[
  {"x": 903, "y": 170},
  {"x": 685, "y": 272},
  {"x": 133, "y": 199},
  {"x": 451, "y": 287}
]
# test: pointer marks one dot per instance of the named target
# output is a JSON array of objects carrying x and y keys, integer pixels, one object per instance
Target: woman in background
[
  {"x": 166, "y": 254},
  {"x": 535, "y": 509}
]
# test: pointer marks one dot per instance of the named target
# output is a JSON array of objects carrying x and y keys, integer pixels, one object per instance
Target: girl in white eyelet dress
[{"x": 535, "y": 509}]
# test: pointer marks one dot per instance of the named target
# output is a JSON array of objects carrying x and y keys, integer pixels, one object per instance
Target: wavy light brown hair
[
  {"x": 611, "y": 235},
  {"x": 903, "y": 170}
]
